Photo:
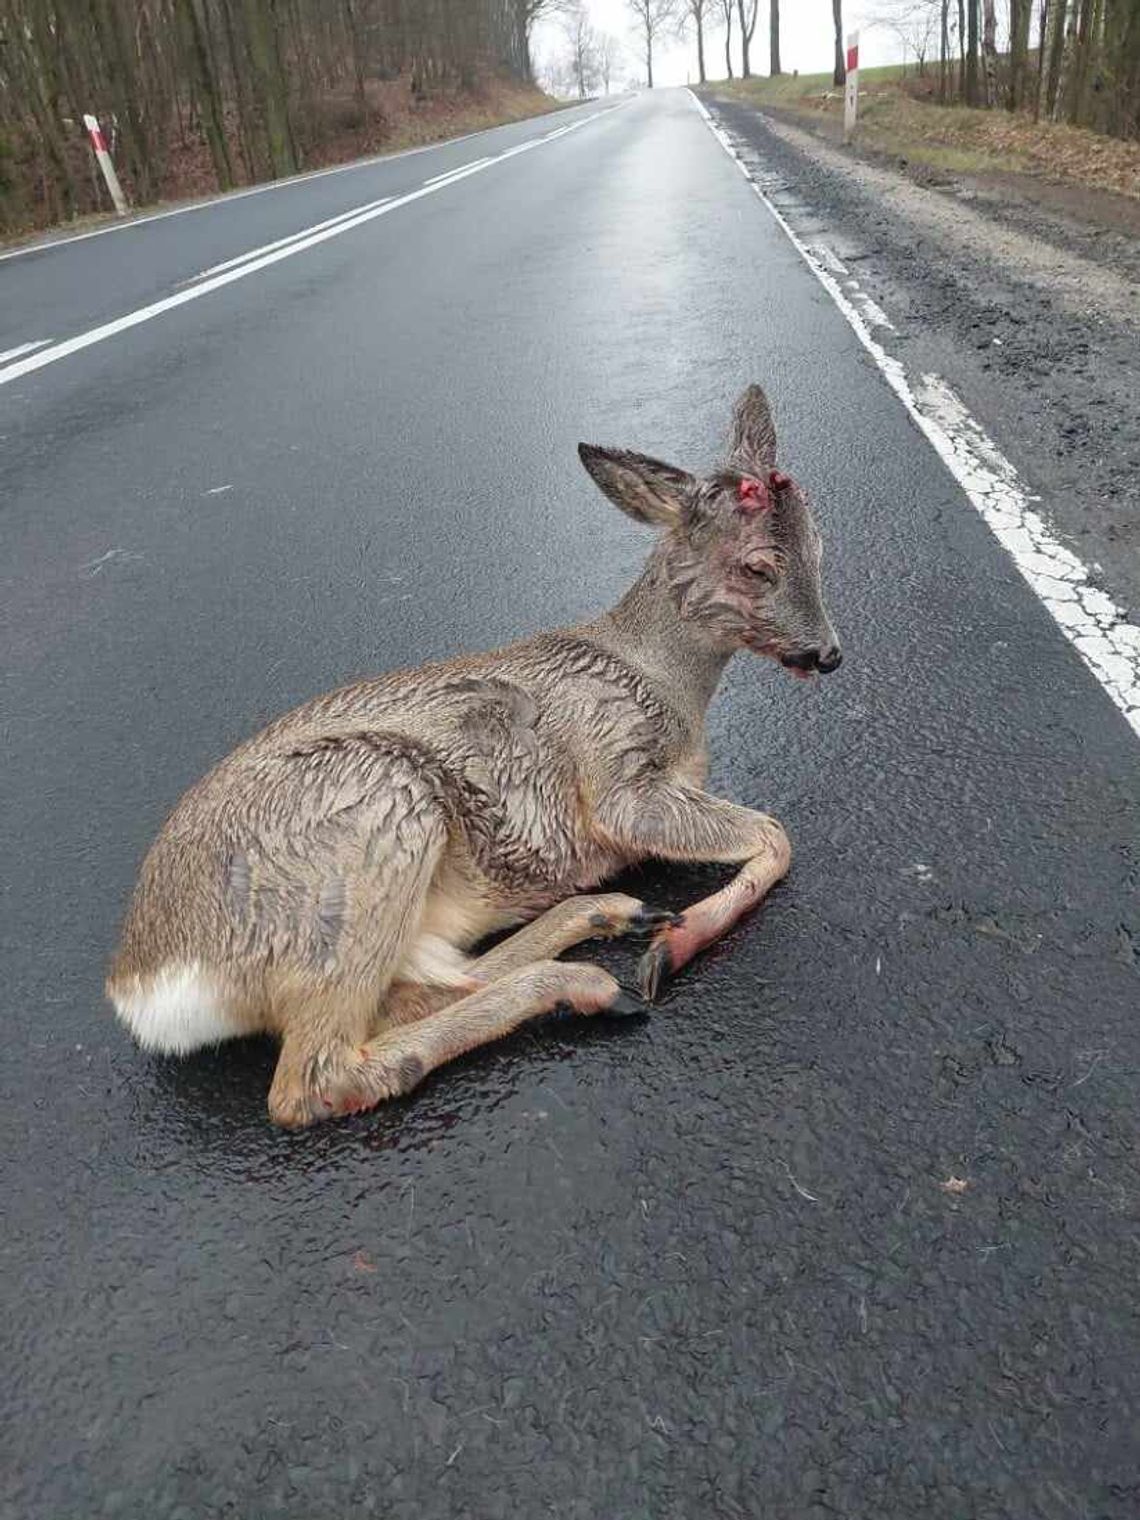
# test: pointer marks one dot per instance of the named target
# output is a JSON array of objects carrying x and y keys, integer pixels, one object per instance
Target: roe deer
[{"x": 325, "y": 881}]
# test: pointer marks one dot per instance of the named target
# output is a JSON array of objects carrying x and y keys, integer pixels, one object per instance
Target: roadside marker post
[
  {"x": 851, "y": 96},
  {"x": 103, "y": 159}
]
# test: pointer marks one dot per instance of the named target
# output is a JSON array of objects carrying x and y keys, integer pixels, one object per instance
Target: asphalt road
[{"x": 703, "y": 1265}]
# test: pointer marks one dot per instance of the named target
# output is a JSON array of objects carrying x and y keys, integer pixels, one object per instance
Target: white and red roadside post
[
  {"x": 103, "y": 159},
  {"x": 851, "y": 96}
]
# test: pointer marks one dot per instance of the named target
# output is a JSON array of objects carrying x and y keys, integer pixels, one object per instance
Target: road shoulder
[{"x": 1029, "y": 313}]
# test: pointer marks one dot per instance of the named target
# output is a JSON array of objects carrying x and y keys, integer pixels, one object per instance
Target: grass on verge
[{"x": 900, "y": 115}]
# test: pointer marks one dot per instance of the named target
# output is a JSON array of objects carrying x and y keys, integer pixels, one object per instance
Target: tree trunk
[
  {"x": 745, "y": 70},
  {"x": 352, "y": 21},
  {"x": 247, "y": 114},
  {"x": 649, "y": 56},
  {"x": 972, "y": 53},
  {"x": 943, "y": 51},
  {"x": 1019, "y": 16},
  {"x": 774, "y": 38},
  {"x": 1088, "y": 33},
  {"x": 989, "y": 53},
  {"x": 270, "y": 86},
  {"x": 123, "y": 81},
  {"x": 59, "y": 189},
  {"x": 728, "y": 43},
  {"x": 1041, "y": 34},
  {"x": 1064, "y": 73},
  {"x": 700, "y": 46},
  {"x": 1056, "y": 54},
  {"x": 961, "y": 49},
  {"x": 204, "y": 88},
  {"x": 839, "y": 73},
  {"x": 1122, "y": 41}
]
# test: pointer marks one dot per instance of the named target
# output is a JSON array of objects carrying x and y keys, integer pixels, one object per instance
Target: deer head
[{"x": 740, "y": 551}]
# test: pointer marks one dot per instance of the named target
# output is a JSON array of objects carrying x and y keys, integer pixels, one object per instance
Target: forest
[
  {"x": 1067, "y": 60},
  {"x": 262, "y": 85},
  {"x": 202, "y": 95}
]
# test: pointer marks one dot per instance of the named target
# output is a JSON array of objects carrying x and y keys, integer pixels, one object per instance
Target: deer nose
[
  {"x": 829, "y": 659},
  {"x": 823, "y": 660}
]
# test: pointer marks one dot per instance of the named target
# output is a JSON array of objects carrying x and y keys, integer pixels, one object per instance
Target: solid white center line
[
  {"x": 308, "y": 238},
  {"x": 254, "y": 253},
  {"x": 23, "y": 348},
  {"x": 447, "y": 173}
]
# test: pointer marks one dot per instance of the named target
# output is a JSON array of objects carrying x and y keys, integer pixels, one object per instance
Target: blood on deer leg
[
  {"x": 676, "y": 821},
  {"x": 706, "y": 921}
]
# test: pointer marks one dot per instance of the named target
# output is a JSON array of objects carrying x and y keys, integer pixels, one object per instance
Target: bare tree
[
  {"x": 255, "y": 86},
  {"x": 747, "y": 16},
  {"x": 609, "y": 57},
  {"x": 652, "y": 17},
  {"x": 1042, "y": 33},
  {"x": 1020, "y": 14},
  {"x": 839, "y": 73},
  {"x": 582, "y": 44},
  {"x": 989, "y": 54},
  {"x": 697, "y": 11},
  {"x": 971, "y": 52},
  {"x": 913, "y": 23},
  {"x": 1090, "y": 20},
  {"x": 1065, "y": 67},
  {"x": 726, "y": 11},
  {"x": 774, "y": 38},
  {"x": 522, "y": 16}
]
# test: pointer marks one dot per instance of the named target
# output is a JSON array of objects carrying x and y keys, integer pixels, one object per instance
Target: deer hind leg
[
  {"x": 398, "y": 1060},
  {"x": 327, "y": 990},
  {"x": 329, "y": 1067}
]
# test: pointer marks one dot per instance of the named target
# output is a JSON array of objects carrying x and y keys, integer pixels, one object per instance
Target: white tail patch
[{"x": 179, "y": 1009}]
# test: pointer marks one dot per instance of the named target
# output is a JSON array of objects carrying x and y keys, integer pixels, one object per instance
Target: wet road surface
[{"x": 721, "y": 1262}]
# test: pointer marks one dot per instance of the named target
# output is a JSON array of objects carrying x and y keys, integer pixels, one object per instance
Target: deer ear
[
  {"x": 647, "y": 489},
  {"x": 753, "y": 447}
]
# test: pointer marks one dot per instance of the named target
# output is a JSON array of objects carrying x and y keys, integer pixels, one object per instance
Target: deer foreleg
[
  {"x": 602, "y": 915},
  {"x": 677, "y": 822}
]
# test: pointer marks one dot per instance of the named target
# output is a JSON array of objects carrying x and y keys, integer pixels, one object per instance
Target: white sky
[{"x": 806, "y": 40}]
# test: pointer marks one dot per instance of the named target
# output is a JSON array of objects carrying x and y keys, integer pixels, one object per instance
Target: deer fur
[{"x": 326, "y": 882}]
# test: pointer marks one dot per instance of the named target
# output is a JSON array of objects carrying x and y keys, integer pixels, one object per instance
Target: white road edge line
[
  {"x": 1092, "y": 622},
  {"x": 308, "y": 238},
  {"x": 254, "y": 253},
  {"x": 23, "y": 348},
  {"x": 277, "y": 184}
]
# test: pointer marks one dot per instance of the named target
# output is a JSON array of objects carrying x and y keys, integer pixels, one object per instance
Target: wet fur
[{"x": 366, "y": 841}]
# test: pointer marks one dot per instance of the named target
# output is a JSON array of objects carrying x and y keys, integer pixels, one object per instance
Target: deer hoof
[
  {"x": 619, "y": 915},
  {"x": 627, "y": 1005},
  {"x": 648, "y": 920},
  {"x": 654, "y": 970}
]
